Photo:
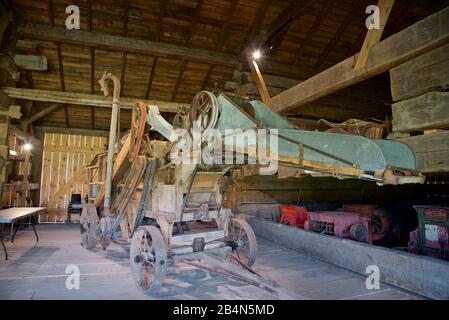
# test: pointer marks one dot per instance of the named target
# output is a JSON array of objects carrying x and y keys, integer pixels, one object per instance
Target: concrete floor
[{"x": 39, "y": 272}]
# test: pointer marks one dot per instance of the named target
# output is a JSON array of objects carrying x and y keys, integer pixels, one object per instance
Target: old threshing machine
[{"x": 168, "y": 193}]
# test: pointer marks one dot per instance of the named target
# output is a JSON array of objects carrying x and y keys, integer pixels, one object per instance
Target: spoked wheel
[
  {"x": 148, "y": 258},
  {"x": 88, "y": 226},
  {"x": 242, "y": 240}
]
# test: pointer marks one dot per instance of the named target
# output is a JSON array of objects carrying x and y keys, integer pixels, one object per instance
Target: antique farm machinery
[{"x": 168, "y": 194}]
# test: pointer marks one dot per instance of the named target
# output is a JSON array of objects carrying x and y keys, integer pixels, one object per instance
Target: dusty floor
[{"x": 39, "y": 272}]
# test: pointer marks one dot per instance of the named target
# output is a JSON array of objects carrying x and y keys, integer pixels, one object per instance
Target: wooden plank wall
[{"x": 65, "y": 156}]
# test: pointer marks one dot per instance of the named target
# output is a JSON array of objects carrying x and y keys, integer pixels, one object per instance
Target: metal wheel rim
[{"x": 148, "y": 258}]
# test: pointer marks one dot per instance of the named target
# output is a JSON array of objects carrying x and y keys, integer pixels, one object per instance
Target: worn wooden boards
[
  {"x": 429, "y": 111},
  {"x": 428, "y": 72},
  {"x": 65, "y": 157},
  {"x": 432, "y": 151}
]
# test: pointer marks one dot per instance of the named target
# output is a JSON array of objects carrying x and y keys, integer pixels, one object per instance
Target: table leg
[
  {"x": 3, "y": 242},
  {"x": 37, "y": 237},
  {"x": 14, "y": 234}
]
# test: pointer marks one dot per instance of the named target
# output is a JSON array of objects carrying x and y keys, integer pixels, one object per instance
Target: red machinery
[
  {"x": 380, "y": 219},
  {"x": 346, "y": 225},
  {"x": 431, "y": 238},
  {"x": 293, "y": 215}
]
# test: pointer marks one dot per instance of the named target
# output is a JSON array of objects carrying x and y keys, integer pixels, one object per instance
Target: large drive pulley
[{"x": 204, "y": 112}]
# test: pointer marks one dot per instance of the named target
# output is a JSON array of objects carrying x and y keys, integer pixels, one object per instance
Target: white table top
[{"x": 13, "y": 214}]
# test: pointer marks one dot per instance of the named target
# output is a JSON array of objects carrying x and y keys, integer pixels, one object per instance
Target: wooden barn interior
[{"x": 313, "y": 64}]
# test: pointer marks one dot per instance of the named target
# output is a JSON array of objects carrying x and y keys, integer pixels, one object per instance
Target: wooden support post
[
  {"x": 263, "y": 91},
  {"x": 373, "y": 35}
]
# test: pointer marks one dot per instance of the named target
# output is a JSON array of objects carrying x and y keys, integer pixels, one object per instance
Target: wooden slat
[{"x": 64, "y": 160}]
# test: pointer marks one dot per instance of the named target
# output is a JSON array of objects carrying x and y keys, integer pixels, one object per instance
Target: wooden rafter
[
  {"x": 124, "y": 53},
  {"x": 160, "y": 19},
  {"x": 188, "y": 43},
  {"x": 83, "y": 99},
  {"x": 206, "y": 79},
  {"x": 284, "y": 20},
  {"x": 341, "y": 30},
  {"x": 258, "y": 20},
  {"x": 224, "y": 31},
  {"x": 299, "y": 54},
  {"x": 150, "y": 80},
  {"x": 179, "y": 79},
  {"x": 60, "y": 64},
  {"x": 194, "y": 22},
  {"x": 92, "y": 63},
  {"x": 373, "y": 35},
  {"x": 416, "y": 40}
]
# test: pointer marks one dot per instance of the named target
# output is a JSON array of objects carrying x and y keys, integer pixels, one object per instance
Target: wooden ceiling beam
[
  {"x": 188, "y": 43},
  {"x": 194, "y": 22},
  {"x": 120, "y": 43},
  {"x": 416, "y": 40},
  {"x": 84, "y": 99},
  {"x": 258, "y": 20},
  {"x": 178, "y": 80},
  {"x": 284, "y": 20},
  {"x": 281, "y": 23},
  {"x": 160, "y": 19},
  {"x": 150, "y": 80},
  {"x": 207, "y": 78}
]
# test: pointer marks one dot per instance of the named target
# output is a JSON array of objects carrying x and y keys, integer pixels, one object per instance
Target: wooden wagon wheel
[
  {"x": 242, "y": 240},
  {"x": 148, "y": 258}
]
